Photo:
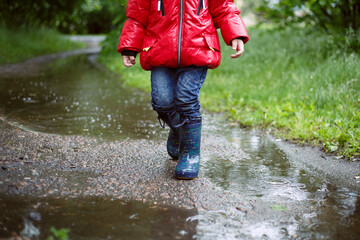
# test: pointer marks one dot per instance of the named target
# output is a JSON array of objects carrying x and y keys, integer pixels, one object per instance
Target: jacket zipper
[
  {"x": 161, "y": 7},
  {"x": 201, "y": 6},
  {"x": 180, "y": 31}
]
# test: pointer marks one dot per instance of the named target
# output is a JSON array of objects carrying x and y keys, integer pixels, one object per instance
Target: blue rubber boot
[
  {"x": 172, "y": 144},
  {"x": 173, "y": 120},
  {"x": 189, "y": 153}
]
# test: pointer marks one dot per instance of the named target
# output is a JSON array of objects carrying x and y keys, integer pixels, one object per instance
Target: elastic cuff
[
  {"x": 242, "y": 38},
  {"x": 194, "y": 120},
  {"x": 129, "y": 53}
]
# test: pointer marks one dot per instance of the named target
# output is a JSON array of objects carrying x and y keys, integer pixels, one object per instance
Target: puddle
[
  {"x": 272, "y": 181},
  {"x": 74, "y": 97},
  {"x": 94, "y": 219},
  {"x": 265, "y": 173}
]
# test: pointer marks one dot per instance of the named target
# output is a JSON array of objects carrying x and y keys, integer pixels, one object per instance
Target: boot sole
[{"x": 185, "y": 178}]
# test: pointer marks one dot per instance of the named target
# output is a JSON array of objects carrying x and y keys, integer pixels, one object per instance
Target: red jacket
[{"x": 180, "y": 33}]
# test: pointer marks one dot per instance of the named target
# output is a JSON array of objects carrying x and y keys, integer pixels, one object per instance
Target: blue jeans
[{"x": 176, "y": 90}]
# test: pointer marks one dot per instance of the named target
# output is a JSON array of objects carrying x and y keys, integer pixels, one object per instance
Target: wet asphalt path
[
  {"x": 47, "y": 166},
  {"x": 74, "y": 166}
]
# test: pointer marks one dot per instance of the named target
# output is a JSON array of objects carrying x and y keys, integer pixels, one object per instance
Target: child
[{"x": 177, "y": 40}]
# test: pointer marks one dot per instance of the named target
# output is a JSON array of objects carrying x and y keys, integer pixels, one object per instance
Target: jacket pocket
[
  {"x": 212, "y": 40},
  {"x": 148, "y": 43}
]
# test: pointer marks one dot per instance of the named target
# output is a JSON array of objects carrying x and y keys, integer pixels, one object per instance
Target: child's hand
[
  {"x": 238, "y": 46},
  {"x": 128, "y": 61}
]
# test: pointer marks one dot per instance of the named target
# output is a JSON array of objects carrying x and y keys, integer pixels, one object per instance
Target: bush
[
  {"x": 340, "y": 18},
  {"x": 20, "y": 13},
  {"x": 75, "y": 16},
  {"x": 94, "y": 17}
]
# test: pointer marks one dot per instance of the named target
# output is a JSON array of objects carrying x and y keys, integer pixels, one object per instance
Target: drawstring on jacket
[
  {"x": 161, "y": 7},
  {"x": 201, "y": 6}
]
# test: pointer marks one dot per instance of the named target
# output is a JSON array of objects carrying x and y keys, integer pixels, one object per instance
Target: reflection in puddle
[
  {"x": 334, "y": 216},
  {"x": 303, "y": 205},
  {"x": 94, "y": 219},
  {"x": 266, "y": 173},
  {"x": 74, "y": 97},
  {"x": 269, "y": 230}
]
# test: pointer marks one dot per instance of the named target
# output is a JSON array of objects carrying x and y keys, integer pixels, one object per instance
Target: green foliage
[
  {"x": 336, "y": 17},
  {"x": 17, "y": 13},
  {"x": 94, "y": 16},
  {"x": 75, "y": 16},
  {"x": 61, "y": 234},
  {"x": 17, "y": 45},
  {"x": 328, "y": 13},
  {"x": 294, "y": 80},
  {"x": 249, "y": 6}
]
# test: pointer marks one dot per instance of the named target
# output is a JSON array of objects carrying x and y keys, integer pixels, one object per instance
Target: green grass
[
  {"x": 295, "y": 81},
  {"x": 17, "y": 45}
]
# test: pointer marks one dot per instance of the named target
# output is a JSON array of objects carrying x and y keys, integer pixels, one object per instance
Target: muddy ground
[{"x": 46, "y": 165}]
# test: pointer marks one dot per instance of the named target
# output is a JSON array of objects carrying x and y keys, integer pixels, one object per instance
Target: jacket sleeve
[
  {"x": 133, "y": 31},
  {"x": 226, "y": 17}
]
